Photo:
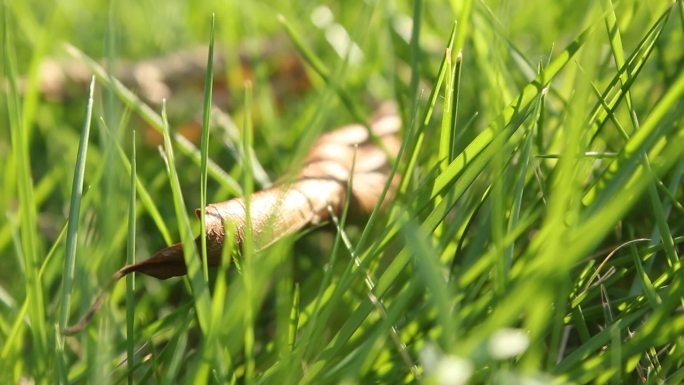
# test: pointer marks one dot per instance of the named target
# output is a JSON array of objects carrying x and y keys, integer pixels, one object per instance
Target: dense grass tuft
[{"x": 536, "y": 234}]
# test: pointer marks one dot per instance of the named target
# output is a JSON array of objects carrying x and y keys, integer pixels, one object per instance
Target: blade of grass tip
[
  {"x": 414, "y": 151},
  {"x": 445, "y": 132},
  {"x": 27, "y": 208},
  {"x": 560, "y": 219},
  {"x": 633, "y": 66},
  {"x": 153, "y": 118},
  {"x": 513, "y": 111},
  {"x": 200, "y": 291},
  {"x": 74, "y": 212},
  {"x": 615, "y": 39},
  {"x": 654, "y": 198},
  {"x": 248, "y": 242},
  {"x": 539, "y": 123},
  {"x": 456, "y": 78},
  {"x": 204, "y": 148},
  {"x": 522, "y": 101},
  {"x": 464, "y": 13},
  {"x": 130, "y": 259},
  {"x": 72, "y": 234}
]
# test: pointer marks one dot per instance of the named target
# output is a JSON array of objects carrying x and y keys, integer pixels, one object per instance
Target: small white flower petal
[
  {"x": 507, "y": 343},
  {"x": 453, "y": 370}
]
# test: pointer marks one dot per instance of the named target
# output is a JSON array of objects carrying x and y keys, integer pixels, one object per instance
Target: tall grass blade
[
  {"x": 200, "y": 289},
  {"x": 130, "y": 258},
  {"x": 75, "y": 211},
  {"x": 204, "y": 150},
  {"x": 27, "y": 209},
  {"x": 151, "y": 117}
]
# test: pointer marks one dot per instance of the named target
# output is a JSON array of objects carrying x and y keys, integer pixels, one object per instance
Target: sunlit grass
[{"x": 536, "y": 233}]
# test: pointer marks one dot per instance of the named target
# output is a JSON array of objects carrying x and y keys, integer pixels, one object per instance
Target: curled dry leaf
[
  {"x": 289, "y": 207},
  {"x": 303, "y": 201}
]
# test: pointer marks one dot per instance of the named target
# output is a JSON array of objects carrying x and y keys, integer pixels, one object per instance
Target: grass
[{"x": 536, "y": 235}]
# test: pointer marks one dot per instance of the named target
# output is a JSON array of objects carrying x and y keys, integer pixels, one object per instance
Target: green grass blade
[
  {"x": 130, "y": 259},
  {"x": 151, "y": 117},
  {"x": 200, "y": 290},
  {"x": 27, "y": 209},
  {"x": 632, "y": 68},
  {"x": 415, "y": 139},
  {"x": 204, "y": 150},
  {"x": 74, "y": 219},
  {"x": 475, "y": 164},
  {"x": 432, "y": 273},
  {"x": 633, "y": 179},
  {"x": 656, "y": 203},
  {"x": 523, "y": 101},
  {"x": 446, "y": 135},
  {"x": 540, "y": 197},
  {"x": 249, "y": 265},
  {"x": 145, "y": 197},
  {"x": 75, "y": 211}
]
